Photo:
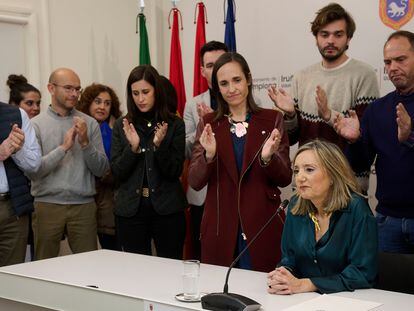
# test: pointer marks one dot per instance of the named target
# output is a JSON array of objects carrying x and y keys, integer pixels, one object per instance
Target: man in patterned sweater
[{"x": 328, "y": 88}]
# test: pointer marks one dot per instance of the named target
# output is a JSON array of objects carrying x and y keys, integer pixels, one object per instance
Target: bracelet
[{"x": 265, "y": 163}]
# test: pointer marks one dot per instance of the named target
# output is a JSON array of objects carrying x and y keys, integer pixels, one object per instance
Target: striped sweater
[{"x": 352, "y": 85}]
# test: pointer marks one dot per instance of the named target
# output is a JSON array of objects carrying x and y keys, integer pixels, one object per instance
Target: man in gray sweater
[{"x": 64, "y": 184}]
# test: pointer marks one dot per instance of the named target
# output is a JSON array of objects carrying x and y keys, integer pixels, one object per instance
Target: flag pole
[{"x": 144, "y": 54}]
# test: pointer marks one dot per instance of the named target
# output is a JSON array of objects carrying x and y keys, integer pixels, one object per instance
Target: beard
[
  {"x": 400, "y": 83},
  {"x": 332, "y": 57}
]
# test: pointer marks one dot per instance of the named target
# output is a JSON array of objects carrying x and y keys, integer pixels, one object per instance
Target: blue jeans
[{"x": 395, "y": 235}]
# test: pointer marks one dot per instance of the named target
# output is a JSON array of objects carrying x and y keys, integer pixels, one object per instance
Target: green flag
[{"x": 144, "y": 54}]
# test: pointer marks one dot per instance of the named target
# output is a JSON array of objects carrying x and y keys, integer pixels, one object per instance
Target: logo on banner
[{"x": 396, "y": 13}]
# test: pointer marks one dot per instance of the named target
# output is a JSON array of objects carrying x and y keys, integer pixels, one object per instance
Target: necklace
[
  {"x": 149, "y": 122},
  {"x": 315, "y": 220},
  {"x": 238, "y": 127}
]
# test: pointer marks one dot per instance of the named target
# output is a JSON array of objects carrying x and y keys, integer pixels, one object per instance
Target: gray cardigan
[{"x": 67, "y": 177}]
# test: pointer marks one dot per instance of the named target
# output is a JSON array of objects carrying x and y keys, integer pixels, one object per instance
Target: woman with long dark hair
[
  {"x": 147, "y": 159},
  {"x": 242, "y": 153}
]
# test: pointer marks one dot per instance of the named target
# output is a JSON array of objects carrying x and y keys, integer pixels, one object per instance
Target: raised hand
[
  {"x": 69, "y": 139},
  {"x": 271, "y": 145},
  {"x": 282, "y": 100},
  {"x": 13, "y": 143},
  {"x": 348, "y": 127},
  {"x": 16, "y": 137},
  {"x": 203, "y": 109},
  {"x": 160, "y": 132},
  {"x": 404, "y": 123},
  {"x": 81, "y": 130},
  {"x": 208, "y": 141},
  {"x": 322, "y": 101},
  {"x": 131, "y": 135}
]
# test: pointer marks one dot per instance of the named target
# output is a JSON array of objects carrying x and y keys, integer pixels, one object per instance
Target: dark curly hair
[
  {"x": 331, "y": 13},
  {"x": 91, "y": 92},
  {"x": 18, "y": 87}
]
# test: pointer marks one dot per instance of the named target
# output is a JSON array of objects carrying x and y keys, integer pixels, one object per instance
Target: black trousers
[
  {"x": 109, "y": 241},
  {"x": 196, "y": 213},
  {"x": 168, "y": 231}
]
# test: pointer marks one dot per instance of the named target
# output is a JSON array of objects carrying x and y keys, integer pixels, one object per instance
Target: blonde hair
[{"x": 344, "y": 182}]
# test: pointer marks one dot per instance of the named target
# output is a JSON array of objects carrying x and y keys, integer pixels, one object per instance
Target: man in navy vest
[{"x": 19, "y": 153}]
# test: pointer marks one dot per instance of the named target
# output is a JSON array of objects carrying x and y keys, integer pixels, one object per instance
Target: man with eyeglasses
[{"x": 64, "y": 185}]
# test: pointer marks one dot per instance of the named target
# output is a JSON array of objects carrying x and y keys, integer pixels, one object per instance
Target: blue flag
[{"x": 230, "y": 32}]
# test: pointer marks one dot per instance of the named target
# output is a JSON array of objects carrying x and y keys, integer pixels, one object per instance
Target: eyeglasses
[{"x": 70, "y": 88}]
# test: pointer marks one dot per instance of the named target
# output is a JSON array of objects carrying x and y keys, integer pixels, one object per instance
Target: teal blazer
[{"x": 345, "y": 257}]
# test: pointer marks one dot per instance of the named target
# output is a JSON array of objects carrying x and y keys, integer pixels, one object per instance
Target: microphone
[{"x": 226, "y": 301}]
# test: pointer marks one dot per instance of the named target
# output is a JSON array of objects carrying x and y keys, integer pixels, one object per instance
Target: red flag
[
  {"x": 200, "y": 83},
  {"x": 176, "y": 63}
]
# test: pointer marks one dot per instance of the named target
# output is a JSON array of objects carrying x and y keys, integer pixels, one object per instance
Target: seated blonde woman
[{"x": 329, "y": 241}]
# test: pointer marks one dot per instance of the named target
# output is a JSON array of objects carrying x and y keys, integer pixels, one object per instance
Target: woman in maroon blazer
[{"x": 242, "y": 153}]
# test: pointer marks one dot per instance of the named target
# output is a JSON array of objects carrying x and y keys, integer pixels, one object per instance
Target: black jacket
[{"x": 162, "y": 166}]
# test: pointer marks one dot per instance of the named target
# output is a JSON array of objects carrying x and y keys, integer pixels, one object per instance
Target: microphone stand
[{"x": 226, "y": 301}]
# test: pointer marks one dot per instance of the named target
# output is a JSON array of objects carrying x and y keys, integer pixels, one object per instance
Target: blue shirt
[
  {"x": 106, "y": 133},
  {"x": 344, "y": 258}
]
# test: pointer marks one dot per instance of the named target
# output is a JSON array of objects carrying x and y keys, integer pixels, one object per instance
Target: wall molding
[{"x": 34, "y": 19}]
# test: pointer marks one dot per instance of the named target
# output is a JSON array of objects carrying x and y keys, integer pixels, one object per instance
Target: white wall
[
  {"x": 275, "y": 38},
  {"x": 97, "y": 38},
  {"x": 25, "y": 44}
]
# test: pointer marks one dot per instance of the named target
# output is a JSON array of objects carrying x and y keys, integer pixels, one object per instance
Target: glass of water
[{"x": 191, "y": 276}]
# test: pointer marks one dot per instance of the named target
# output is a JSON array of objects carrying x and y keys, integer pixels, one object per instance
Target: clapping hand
[
  {"x": 322, "y": 101},
  {"x": 131, "y": 135},
  {"x": 348, "y": 127},
  {"x": 160, "y": 132},
  {"x": 404, "y": 123},
  {"x": 208, "y": 141},
  {"x": 13, "y": 143},
  {"x": 203, "y": 109},
  {"x": 81, "y": 130},
  {"x": 271, "y": 145},
  {"x": 69, "y": 139},
  {"x": 282, "y": 100}
]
